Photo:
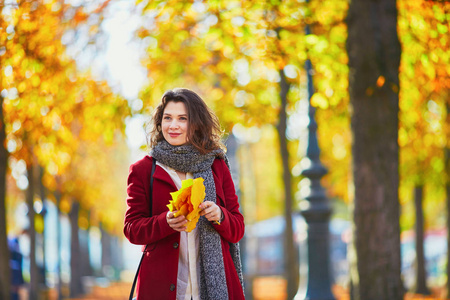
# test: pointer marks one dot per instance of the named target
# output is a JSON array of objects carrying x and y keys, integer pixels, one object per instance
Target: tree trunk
[
  {"x": 421, "y": 278},
  {"x": 117, "y": 262},
  {"x": 42, "y": 192},
  {"x": 84, "y": 250},
  {"x": 76, "y": 287},
  {"x": 447, "y": 186},
  {"x": 290, "y": 262},
  {"x": 59, "y": 243},
  {"x": 106, "y": 252},
  {"x": 32, "y": 233},
  {"x": 86, "y": 269},
  {"x": 5, "y": 276},
  {"x": 374, "y": 57}
]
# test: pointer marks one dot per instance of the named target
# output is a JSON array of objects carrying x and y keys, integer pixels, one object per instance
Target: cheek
[{"x": 164, "y": 126}]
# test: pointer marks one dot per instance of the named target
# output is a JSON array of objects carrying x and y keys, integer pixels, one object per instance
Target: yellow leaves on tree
[
  {"x": 56, "y": 114},
  {"x": 186, "y": 201}
]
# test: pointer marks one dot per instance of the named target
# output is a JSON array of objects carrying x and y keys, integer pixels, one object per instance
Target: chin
[{"x": 177, "y": 143}]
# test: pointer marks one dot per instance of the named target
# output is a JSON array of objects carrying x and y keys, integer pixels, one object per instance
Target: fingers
[
  {"x": 176, "y": 223},
  {"x": 211, "y": 211}
]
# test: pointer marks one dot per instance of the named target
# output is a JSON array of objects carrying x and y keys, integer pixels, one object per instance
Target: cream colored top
[{"x": 188, "y": 260}]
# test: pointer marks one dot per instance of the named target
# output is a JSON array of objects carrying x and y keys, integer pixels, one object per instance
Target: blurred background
[{"x": 79, "y": 80}]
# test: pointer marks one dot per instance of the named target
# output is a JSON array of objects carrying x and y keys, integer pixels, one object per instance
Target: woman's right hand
[{"x": 178, "y": 223}]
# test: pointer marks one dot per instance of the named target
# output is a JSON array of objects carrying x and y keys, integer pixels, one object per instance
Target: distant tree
[
  {"x": 76, "y": 285},
  {"x": 447, "y": 195},
  {"x": 5, "y": 280},
  {"x": 421, "y": 274}
]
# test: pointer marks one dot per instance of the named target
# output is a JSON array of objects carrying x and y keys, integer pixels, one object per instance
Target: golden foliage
[
  {"x": 233, "y": 51},
  {"x": 186, "y": 201},
  {"x": 424, "y": 81},
  {"x": 53, "y": 110}
]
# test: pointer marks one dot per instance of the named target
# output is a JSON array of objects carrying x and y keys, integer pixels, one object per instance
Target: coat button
[
  {"x": 172, "y": 287},
  {"x": 175, "y": 245}
]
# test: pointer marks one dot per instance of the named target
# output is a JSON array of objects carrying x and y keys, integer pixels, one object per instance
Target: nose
[{"x": 174, "y": 124}]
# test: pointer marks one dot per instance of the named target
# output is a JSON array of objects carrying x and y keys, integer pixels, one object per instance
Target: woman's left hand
[{"x": 211, "y": 211}]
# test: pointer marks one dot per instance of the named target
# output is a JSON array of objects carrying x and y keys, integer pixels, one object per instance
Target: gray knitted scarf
[{"x": 186, "y": 158}]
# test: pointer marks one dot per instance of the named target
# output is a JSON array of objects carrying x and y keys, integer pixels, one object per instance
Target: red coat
[{"x": 158, "y": 275}]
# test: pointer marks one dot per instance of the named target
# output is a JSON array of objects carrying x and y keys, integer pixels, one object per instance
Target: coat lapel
[{"x": 163, "y": 177}]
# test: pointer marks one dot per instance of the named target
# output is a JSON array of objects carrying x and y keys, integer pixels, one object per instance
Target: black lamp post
[{"x": 316, "y": 210}]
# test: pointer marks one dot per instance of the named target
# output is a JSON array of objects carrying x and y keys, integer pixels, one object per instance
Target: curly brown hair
[{"x": 204, "y": 132}]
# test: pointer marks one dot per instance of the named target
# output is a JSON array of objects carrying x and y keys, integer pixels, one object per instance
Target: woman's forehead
[{"x": 175, "y": 108}]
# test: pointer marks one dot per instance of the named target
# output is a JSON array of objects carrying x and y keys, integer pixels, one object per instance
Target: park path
[
  {"x": 116, "y": 290},
  {"x": 121, "y": 290}
]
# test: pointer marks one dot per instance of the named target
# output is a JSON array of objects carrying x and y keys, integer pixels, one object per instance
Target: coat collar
[{"x": 163, "y": 176}]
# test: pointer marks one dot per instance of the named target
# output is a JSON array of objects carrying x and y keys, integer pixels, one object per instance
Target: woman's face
[{"x": 174, "y": 123}]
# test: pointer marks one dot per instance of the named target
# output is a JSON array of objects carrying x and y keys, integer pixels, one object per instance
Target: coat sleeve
[
  {"x": 232, "y": 226},
  {"x": 139, "y": 227}
]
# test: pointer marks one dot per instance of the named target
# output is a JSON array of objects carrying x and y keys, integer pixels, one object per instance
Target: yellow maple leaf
[{"x": 186, "y": 201}]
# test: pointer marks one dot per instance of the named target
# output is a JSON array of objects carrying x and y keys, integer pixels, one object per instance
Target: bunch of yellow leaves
[{"x": 186, "y": 201}]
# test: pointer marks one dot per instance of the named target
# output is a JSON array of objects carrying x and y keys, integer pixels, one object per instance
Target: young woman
[{"x": 204, "y": 263}]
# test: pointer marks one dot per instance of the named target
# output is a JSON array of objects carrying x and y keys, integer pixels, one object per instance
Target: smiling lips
[{"x": 174, "y": 135}]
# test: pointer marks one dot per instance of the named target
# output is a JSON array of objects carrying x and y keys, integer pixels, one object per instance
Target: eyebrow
[{"x": 185, "y": 115}]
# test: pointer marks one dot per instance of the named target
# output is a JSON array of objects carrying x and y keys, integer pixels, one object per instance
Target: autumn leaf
[{"x": 186, "y": 201}]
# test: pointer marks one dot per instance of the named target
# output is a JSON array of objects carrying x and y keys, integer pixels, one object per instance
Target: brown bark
[
  {"x": 447, "y": 187},
  {"x": 117, "y": 261},
  {"x": 59, "y": 244},
  {"x": 86, "y": 269},
  {"x": 290, "y": 260},
  {"x": 5, "y": 276},
  {"x": 76, "y": 287},
  {"x": 421, "y": 276},
  {"x": 42, "y": 192},
  {"x": 106, "y": 252},
  {"x": 374, "y": 54},
  {"x": 33, "y": 287}
]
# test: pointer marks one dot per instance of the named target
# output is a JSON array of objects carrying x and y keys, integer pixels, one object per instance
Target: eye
[
  {"x": 166, "y": 118},
  {"x": 183, "y": 118}
]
